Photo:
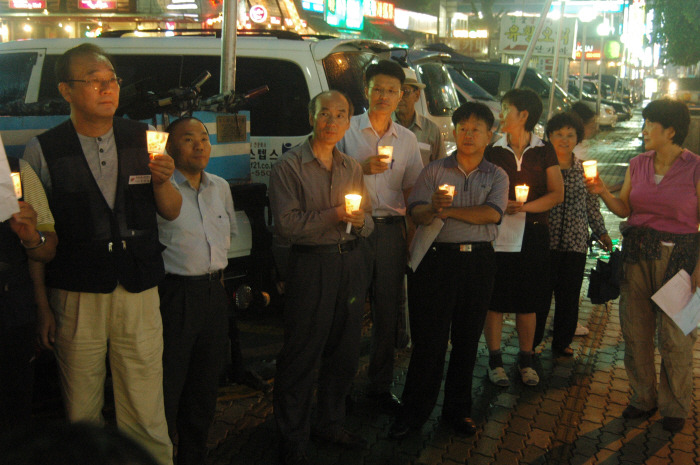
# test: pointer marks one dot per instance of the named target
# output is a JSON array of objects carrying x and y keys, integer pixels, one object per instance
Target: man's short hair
[
  {"x": 386, "y": 67},
  {"x": 476, "y": 109},
  {"x": 63, "y": 64},
  {"x": 328, "y": 93},
  {"x": 525, "y": 99},
  {"x": 565, "y": 120},
  {"x": 669, "y": 113},
  {"x": 583, "y": 111},
  {"x": 171, "y": 127}
]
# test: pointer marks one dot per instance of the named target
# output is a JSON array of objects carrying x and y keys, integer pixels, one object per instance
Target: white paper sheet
[
  {"x": 680, "y": 304},
  {"x": 510, "y": 233},
  {"x": 422, "y": 240},
  {"x": 8, "y": 199}
]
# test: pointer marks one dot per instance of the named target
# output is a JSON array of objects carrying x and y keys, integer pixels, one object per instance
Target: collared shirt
[
  {"x": 386, "y": 189},
  {"x": 430, "y": 140},
  {"x": 530, "y": 169},
  {"x": 486, "y": 185},
  {"x": 304, "y": 196},
  {"x": 33, "y": 193},
  {"x": 100, "y": 154},
  {"x": 569, "y": 221},
  {"x": 197, "y": 241}
]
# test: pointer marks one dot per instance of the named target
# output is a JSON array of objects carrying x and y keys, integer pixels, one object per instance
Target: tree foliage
[{"x": 677, "y": 28}]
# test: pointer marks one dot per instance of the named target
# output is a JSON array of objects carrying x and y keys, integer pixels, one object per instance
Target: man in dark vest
[
  {"x": 104, "y": 193},
  {"x": 27, "y": 241}
]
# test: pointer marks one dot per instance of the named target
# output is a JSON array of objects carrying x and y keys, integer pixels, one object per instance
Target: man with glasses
[
  {"x": 104, "y": 192},
  {"x": 389, "y": 181},
  {"x": 430, "y": 140}
]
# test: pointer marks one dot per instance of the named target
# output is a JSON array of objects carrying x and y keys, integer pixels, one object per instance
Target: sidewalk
[{"x": 573, "y": 417}]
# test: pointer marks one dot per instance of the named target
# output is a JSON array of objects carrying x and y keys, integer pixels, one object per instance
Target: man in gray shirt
[{"x": 326, "y": 280}]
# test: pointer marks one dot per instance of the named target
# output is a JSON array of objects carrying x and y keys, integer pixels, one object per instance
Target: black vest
[
  {"x": 99, "y": 247},
  {"x": 16, "y": 292}
]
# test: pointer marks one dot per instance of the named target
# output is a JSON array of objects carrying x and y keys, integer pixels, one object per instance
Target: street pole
[
  {"x": 227, "y": 80},
  {"x": 600, "y": 72},
  {"x": 583, "y": 62},
  {"x": 531, "y": 46},
  {"x": 555, "y": 66}
]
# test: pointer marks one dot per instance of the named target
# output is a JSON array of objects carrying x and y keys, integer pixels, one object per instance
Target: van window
[
  {"x": 439, "y": 89},
  {"x": 489, "y": 80},
  {"x": 346, "y": 72},
  {"x": 16, "y": 71}
]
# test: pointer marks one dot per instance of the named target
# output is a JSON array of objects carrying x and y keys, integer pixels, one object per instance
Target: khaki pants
[
  {"x": 641, "y": 319},
  {"x": 128, "y": 327}
]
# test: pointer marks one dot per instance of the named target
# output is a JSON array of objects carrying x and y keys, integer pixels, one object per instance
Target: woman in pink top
[{"x": 660, "y": 196}]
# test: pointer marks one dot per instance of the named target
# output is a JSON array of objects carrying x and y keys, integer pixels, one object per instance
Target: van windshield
[
  {"x": 345, "y": 71},
  {"x": 439, "y": 90}
]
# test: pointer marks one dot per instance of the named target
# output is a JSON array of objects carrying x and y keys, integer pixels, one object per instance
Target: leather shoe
[
  {"x": 294, "y": 458},
  {"x": 399, "y": 429},
  {"x": 632, "y": 412},
  {"x": 462, "y": 425},
  {"x": 343, "y": 438},
  {"x": 673, "y": 424},
  {"x": 387, "y": 402}
]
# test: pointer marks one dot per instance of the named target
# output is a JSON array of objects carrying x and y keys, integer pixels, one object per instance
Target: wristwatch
[{"x": 42, "y": 241}]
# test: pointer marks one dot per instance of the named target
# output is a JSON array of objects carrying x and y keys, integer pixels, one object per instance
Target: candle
[
  {"x": 156, "y": 141},
  {"x": 352, "y": 204},
  {"x": 590, "y": 168},
  {"x": 521, "y": 193},
  {"x": 17, "y": 182},
  {"x": 450, "y": 189},
  {"x": 387, "y": 151}
]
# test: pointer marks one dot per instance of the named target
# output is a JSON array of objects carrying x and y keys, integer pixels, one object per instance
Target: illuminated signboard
[
  {"x": 466, "y": 34},
  {"x": 258, "y": 14},
  {"x": 98, "y": 4},
  {"x": 312, "y": 5},
  {"x": 28, "y": 4},
  {"x": 345, "y": 14},
  {"x": 382, "y": 10}
]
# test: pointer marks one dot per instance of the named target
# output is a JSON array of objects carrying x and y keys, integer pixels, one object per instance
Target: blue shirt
[
  {"x": 385, "y": 189},
  {"x": 486, "y": 185},
  {"x": 198, "y": 240}
]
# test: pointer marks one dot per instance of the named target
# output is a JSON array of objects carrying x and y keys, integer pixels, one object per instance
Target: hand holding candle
[
  {"x": 521, "y": 193},
  {"x": 17, "y": 183},
  {"x": 352, "y": 204},
  {"x": 156, "y": 142},
  {"x": 450, "y": 189},
  {"x": 386, "y": 151},
  {"x": 590, "y": 168}
]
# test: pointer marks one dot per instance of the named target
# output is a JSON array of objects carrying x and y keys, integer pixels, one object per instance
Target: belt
[
  {"x": 388, "y": 219},
  {"x": 345, "y": 247},
  {"x": 462, "y": 246},
  {"x": 213, "y": 276}
]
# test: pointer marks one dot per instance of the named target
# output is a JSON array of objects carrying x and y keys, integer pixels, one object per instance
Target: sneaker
[
  {"x": 499, "y": 377},
  {"x": 529, "y": 376},
  {"x": 581, "y": 330}
]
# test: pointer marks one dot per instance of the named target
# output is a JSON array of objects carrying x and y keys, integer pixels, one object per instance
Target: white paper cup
[
  {"x": 17, "y": 183},
  {"x": 590, "y": 168},
  {"x": 156, "y": 141},
  {"x": 521, "y": 193},
  {"x": 386, "y": 151},
  {"x": 450, "y": 189},
  {"x": 352, "y": 203}
]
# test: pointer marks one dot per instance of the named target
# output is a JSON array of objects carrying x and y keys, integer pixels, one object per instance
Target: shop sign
[
  {"x": 258, "y": 14},
  {"x": 312, "y": 5},
  {"x": 381, "y": 10},
  {"x": 517, "y": 33},
  {"x": 27, "y": 4},
  {"x": 344, "y": 14},
  {"x": 98, "y": 4},
  {"x": 466, "y": 34}
]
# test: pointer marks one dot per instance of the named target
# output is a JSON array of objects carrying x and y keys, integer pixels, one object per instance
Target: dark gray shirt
[
  {"x": 486, "y": 185},
  {"x": 304, "y": 195}
]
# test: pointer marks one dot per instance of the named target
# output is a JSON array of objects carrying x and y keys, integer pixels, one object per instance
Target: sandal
[{"x": 529, "y": 376}]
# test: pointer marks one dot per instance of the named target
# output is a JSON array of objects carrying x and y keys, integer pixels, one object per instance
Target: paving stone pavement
[{"x": 573, "y": 417}]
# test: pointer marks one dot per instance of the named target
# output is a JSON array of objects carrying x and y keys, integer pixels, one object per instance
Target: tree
[{"x": 676, "y": 28}]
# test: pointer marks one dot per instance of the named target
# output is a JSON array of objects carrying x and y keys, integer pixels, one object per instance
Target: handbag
[{"x": 604, "y": 283}]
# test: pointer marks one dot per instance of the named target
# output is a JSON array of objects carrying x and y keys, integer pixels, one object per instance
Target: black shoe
[
  {"x": 254, "y": 381},
  {"x": 293, "y": 458},
  {"x": 673, "y": 424},
  {"x": 632, "y": 412},
  {"x": 344, "y": 438},
  {"x": 461, "y": 425},
  {"x": 387, "y": 402},
  {"x": 399, "y": 429}
]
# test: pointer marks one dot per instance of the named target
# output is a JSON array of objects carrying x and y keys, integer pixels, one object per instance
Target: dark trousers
[
  {"x": 566, "y": 270},
  {"x": 449, "y": 296},
  {"x": 322, "y": 327},
  {"x": 385, "y": 253},
  {"x": 194, "y": 349},
  {"x": 16, "y": 377}
]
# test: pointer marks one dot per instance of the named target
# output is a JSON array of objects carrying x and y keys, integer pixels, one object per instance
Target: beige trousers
[
  {"x": 641, "y": 319},
  {"x": 128, "y": 327}
]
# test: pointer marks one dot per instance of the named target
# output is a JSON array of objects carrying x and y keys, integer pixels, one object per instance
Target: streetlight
[
  {"x": 603, "y": 30},
  {"x": 585, "y": 15}
]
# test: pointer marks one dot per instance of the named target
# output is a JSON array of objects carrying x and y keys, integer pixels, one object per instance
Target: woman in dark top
[{"x": 521, "y": 280}]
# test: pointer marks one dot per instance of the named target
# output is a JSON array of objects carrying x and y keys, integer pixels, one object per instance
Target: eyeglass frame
[{"x": 99, "y": 84}]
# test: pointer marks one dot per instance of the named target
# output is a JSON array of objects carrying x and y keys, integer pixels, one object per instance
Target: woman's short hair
[
  {"x": 669, "y": 113},
  {"x": 525, "y": 99},
  {"x": 565, "y": 120}
]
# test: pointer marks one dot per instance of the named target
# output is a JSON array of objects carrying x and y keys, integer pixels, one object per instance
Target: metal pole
[
  {"x": 531, "y": 46},
  {"x": 600, "y": 71},
  {"x": 583, "y": 62},
  {"x": 227, "y": 81},
  {"x": 555, "y": 66}
]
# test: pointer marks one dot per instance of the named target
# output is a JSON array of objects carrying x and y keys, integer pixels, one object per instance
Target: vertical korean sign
[{"x": 517, "y": 32}]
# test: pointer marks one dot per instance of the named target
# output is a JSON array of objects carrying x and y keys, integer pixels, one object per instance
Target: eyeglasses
[
  {"x": 408, "y": 91},
  {"x": 99, "y": 84},
  {"x": 385, "y": 92}
]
